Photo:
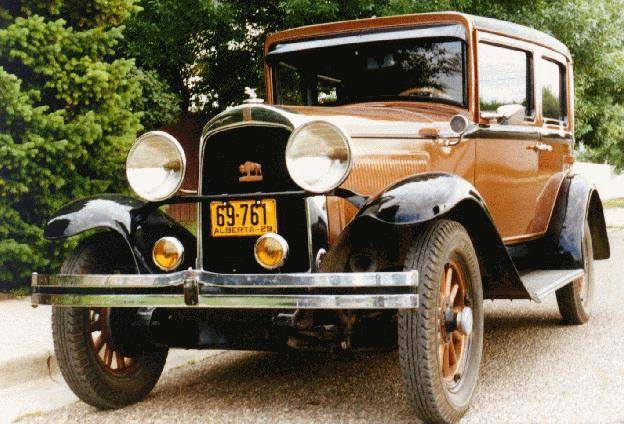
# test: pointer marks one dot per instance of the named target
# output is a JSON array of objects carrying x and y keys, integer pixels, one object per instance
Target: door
[
  {"x": 555, "y": 153},
  {"x": 507, "y": 158}
]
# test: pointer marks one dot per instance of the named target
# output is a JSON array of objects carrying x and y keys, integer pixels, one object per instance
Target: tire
[
  {"x": 439, "y": 390},
  {"x": 106, "y": 379},
  {"x": 575, "y": 299}
]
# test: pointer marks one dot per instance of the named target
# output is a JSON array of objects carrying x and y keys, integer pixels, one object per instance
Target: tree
[
  {"x": 208, "y": 51},
  {"x": 69, "y": 111}
]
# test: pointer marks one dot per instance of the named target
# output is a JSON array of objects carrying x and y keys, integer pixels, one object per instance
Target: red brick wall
[{"x": 188, "y": 133}]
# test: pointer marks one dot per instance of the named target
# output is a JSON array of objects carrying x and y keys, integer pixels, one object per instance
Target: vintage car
[{"x": 401, "y": 170}]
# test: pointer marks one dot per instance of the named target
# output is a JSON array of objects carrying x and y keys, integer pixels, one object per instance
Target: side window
[
  {"x": 505, "y": 78},
  {"x": 552, "y": 76}
]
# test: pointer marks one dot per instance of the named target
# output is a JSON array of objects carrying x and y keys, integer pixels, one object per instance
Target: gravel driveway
[{"x": 534, "y": 370}]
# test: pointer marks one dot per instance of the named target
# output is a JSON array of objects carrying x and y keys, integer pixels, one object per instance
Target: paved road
[{"x": 534, "y": 370}]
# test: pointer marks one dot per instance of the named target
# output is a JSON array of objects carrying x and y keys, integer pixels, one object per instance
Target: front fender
[
  {"x": 139, "y": 224},
  {"x": 424, "y": 197},
  {"x": 420, "y": 198}
]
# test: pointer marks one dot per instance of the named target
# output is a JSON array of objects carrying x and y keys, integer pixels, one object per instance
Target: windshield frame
[{"x": 446, "y": 32}]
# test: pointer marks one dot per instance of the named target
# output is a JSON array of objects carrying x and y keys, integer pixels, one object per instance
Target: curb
[
  {"x": 27, "y": 368},
  {"x": 43, "y": 365}
]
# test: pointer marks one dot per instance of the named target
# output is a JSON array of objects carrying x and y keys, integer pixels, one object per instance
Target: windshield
[{"x": 429, "y": 69}]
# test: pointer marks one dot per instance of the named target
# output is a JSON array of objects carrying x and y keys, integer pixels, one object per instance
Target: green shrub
[{"x": 70, "y": 107}]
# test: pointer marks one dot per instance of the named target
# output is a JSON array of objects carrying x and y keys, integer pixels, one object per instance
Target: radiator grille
[{"x": 224, "y": 153}]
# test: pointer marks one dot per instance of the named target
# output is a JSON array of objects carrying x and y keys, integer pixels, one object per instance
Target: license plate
[{"x": 243, "y": 218}]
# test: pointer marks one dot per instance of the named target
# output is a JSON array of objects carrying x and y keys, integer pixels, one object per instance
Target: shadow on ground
[{"x": 303, "y": 387}]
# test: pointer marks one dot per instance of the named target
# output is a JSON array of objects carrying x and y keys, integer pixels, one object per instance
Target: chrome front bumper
[{"x": 196, "y": 288}]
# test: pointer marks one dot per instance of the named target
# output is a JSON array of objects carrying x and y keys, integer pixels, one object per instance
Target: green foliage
[
  {"x": 71, "y": 101},
  {"x": 551, "y": 106},
  {"x": 66, "y": 120},
  {"x": 613, "y": 203},
  {"x": 219, "y": 46},
  {"x": 159, "y": 106}
]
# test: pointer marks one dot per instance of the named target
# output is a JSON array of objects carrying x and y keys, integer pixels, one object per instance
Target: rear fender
[
  {"x": 560, "y": 248},
  {"x": 139, "y": 224},
  {"x": 389, "y": 221}
]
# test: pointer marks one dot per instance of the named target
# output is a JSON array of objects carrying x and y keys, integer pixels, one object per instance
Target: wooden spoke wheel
[
  {"x": 110, "y": 357},
  {"x": 93, "y": 366},
  {"x": 453, "y": 340},
  {"x": 440, "y": 343}
]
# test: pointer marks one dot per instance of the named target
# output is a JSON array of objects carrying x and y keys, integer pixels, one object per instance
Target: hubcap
[
  {"x": 464, "y": 321},
  {"x": 455, "y": 323},
  {"x": 100, "y": 336}
]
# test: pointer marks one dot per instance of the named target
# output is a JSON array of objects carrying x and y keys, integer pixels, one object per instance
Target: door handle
[{"x": 540, "y": 147}]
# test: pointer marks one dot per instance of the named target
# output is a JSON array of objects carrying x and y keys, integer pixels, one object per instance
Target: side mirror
[
  {"x": 460, "y": 124},
  {"x": 506, "y": 114}
]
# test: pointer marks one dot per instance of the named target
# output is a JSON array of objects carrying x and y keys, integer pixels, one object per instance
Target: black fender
[
  {"x": 139, "y": 224},
  {"x": 422, "y": 198},
  {"x": 578, "y": 201}
]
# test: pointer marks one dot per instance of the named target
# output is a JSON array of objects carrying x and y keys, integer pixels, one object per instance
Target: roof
[
  {"x": 496, "y": 26},
  {"x": 520, "y": 31}
]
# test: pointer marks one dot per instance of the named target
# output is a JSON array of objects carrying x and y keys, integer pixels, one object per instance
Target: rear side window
[
  {"x": 505, "y": 78},
  {"x": 552, "y": 76}
]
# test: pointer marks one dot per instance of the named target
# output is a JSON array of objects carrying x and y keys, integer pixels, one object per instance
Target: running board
[{"x": 541, "y": 283}]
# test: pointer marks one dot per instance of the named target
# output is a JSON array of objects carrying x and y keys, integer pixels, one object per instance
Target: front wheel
[
  {"x": 440, "y": 343},
  {"x": 94, "y": 367}
]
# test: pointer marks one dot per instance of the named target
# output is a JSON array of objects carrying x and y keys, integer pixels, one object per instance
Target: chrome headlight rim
[
  {"x": 182, "y": 157},
  {"x": 347, "y": 142}
]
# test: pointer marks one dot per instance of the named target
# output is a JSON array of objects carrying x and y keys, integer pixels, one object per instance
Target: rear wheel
[
  {"x": 95, "y": 368},
  {"x": 440, "y": 343},
  {"x": 575, "y": 299}
]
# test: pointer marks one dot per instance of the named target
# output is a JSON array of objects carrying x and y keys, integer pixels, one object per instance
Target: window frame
[
  {"x": 464, "y": 104},
  {"x": 564, "y": 116},
  {"x": 530, "y": 118}
]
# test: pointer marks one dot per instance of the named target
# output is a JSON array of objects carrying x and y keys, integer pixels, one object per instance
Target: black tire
[
  {"x": 85, "y": 372},
  {"x": 575, "y": 299},
  {"x": 435, "y": 398}
]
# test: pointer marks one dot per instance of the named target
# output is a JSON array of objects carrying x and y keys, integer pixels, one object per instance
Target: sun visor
[{"x": 445, "y": 31}]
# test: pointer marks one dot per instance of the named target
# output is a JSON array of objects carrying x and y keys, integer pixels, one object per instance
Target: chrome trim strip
[
  {"x": 206, "y": 278},
  {"x": 395, "y": 301}
]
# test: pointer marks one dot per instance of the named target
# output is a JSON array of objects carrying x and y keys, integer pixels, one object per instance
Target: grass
[
  {"x": 18, "y": 292},
  {"x": 613, "y": 203}
]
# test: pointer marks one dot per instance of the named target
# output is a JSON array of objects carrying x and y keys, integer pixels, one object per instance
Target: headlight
[
  {"x": 155, "y": 166},
  {"x": 318, "y": 156}
]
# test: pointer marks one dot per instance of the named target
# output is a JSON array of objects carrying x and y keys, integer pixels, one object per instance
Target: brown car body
[{"x": 518, "y": 182}]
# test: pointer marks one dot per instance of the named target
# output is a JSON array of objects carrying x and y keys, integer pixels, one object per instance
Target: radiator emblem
[{"x": 250, "y": 172}]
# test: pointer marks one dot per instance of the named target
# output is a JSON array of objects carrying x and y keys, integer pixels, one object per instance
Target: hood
[{"x": 364, "y": 120}]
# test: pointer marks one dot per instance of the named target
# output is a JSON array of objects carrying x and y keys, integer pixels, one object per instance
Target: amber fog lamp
[
  {"x": 168, "y": 253},
  {"x": 155, "y": 166},
  {"x": 318, "y": 156},
  {"x": 271, "y": 251}
]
